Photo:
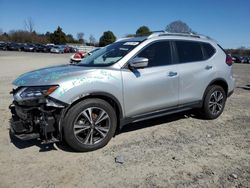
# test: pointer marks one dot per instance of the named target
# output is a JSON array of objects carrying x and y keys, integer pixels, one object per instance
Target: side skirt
[{"x": 160, "y": 113}]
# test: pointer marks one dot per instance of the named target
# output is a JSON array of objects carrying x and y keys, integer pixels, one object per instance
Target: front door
[{"x": 154, "y": 87}]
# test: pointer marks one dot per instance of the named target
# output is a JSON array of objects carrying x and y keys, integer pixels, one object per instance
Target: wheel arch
[
  {"x": 111, "y": 99},
  {"x": 218, "y": 81},
  {"x": 221, "y": 82}
]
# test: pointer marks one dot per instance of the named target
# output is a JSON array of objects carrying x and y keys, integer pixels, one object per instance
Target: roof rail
[
  {"x": 156, "y": 33},
  {"x": 165, "y": 33},
  {"x": 181, "y": 34}
]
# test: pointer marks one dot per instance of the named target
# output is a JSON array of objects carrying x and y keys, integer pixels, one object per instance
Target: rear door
[
  {"x": 195, "y": 60},
  {"x": 154, "y": 87}
]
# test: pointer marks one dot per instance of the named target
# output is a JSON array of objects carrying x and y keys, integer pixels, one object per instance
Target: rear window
[
  {"x": 208, "y": 50},
  {"x": 189, "y": 51}
]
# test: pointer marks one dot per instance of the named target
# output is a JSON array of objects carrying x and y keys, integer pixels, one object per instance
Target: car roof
[{"x": 166, "y": 35}]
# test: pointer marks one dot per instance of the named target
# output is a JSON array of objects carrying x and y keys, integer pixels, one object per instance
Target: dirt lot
[{"x": 174, "y": 151}]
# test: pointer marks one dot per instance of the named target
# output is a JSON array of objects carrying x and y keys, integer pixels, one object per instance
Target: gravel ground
[{"x": 175, "y": 151}]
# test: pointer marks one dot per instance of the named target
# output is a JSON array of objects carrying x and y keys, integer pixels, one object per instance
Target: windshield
[{"x": 108, "y": 55}]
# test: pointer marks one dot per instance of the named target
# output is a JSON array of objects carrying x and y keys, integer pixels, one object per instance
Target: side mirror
[{"x": 138, "y": 63}]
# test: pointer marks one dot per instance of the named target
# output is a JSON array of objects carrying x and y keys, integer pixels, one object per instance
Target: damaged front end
[{"x": 35, "y": 115}]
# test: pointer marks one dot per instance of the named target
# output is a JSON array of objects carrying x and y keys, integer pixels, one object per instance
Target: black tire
[
  {"x": 211, "y": 107},
  {"x": 81, "y": 141}
]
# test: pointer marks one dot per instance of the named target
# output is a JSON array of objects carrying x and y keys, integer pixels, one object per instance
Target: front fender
[{"x": 106, "y": 81}]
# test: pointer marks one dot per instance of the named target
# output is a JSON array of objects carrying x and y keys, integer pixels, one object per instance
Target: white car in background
[{"x": 57, "y": 49}]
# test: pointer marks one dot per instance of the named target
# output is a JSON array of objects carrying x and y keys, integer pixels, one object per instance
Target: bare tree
[
  {"x": 80, "y": 36},
  {"x": 178, "y": 27},
  {"x": 1, "y": 31},
  {"x": 92, "y": 40},
  {"x": 29, "y": 24}
]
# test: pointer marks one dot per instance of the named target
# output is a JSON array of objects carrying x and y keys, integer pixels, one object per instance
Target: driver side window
[{"x": 158, "y": 54}]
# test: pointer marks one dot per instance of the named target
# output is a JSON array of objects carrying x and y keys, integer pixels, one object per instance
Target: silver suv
[{"x": 131, "y": 80}]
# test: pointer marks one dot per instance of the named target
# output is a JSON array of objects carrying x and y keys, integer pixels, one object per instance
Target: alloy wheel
[
  {"x": 216, "y": 102},
  {"x": 92, "y": 125}
]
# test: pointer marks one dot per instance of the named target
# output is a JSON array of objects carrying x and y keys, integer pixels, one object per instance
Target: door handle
[
  {"x": 171, "y": 74},
  {"x": 208, "y": 67}
]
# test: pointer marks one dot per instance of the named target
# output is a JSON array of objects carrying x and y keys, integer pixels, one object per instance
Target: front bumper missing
[{"x": 35, "y": 122}]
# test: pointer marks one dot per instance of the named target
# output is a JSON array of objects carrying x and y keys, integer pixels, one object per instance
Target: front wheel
[
  {"x": 214, "y": 102},
  {"x": 89, "y": 125}
]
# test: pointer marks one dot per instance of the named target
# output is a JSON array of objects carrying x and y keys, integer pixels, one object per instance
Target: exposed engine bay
[{"x": 36, "y": 117}]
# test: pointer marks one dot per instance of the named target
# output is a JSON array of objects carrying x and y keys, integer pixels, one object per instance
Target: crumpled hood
[{"x": 50, "y": 75}]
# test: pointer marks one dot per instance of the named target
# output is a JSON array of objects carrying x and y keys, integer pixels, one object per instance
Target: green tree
[
  {"x": 70, "y": 38},
  {"x": 178, "y": 27},
  {"x": 143, "y": 30},
  {"x": 4, "y": 37},
  {"x": 108, "y": 37},
  {"x": 58, "y": 37}
]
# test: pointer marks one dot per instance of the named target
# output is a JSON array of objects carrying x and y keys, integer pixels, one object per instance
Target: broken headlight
[{"x": 36, "y": 91}]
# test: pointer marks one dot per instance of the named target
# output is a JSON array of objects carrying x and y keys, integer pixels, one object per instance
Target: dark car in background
[
  {"x": 68, "y": 49},
  {"x": 14, "y": 46},
  {"x": 245, "y": 59},
  {"x": 72, "y": 49},
  {"x": 240, "y": 59},
  {"x": 49, "y": 46},
  {"x": 3, "y": 46},
  {"x": 30, "y": 48},
  {"x": 42, "y": 48},
  {"x": 37, "y": 47},
  {"x": 236, "y": 59}
]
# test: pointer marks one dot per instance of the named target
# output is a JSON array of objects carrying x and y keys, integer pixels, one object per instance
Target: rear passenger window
[
  {"x": 158, "y": 54},
  {"x": 189, "y": 51},
  {"x": 209, "y": 50}
]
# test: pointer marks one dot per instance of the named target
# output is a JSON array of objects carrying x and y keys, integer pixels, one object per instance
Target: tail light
[{"x": 229, "y": 60}]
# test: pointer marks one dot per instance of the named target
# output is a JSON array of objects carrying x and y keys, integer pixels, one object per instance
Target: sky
[{"x": 227, "y": 21}]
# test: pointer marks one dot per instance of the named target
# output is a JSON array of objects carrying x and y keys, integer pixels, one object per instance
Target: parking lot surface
[{"x": 179, "y": 150}]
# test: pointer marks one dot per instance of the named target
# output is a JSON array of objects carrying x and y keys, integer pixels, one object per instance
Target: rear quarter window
[
  {"x": 189, "y": 51},
  {"x": 209, "y": 50}
]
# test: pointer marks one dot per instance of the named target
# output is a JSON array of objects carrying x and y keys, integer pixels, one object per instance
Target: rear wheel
[
  {"x": 214, "y": 102},
  {"x": 89, "y": 125}
]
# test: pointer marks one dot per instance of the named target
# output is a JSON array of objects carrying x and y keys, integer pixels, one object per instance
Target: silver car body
[{"x": 147, "y": 90}]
